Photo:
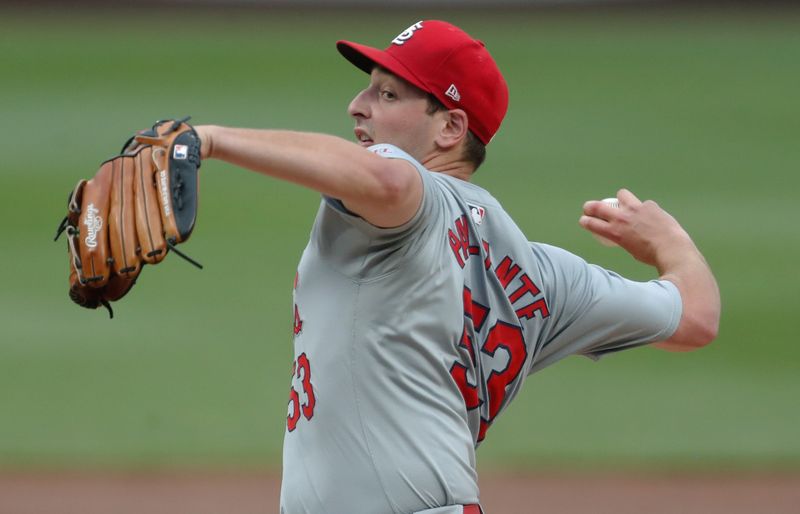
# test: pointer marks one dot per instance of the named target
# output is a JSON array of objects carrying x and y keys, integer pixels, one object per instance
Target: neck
[{"x": 449, "y": 165}]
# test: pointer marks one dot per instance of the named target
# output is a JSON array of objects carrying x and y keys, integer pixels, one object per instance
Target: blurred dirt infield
[{"x": 243, "y": 493}]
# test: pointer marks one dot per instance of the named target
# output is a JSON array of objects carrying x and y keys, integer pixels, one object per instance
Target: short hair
[{"x": 474, "y": 150}]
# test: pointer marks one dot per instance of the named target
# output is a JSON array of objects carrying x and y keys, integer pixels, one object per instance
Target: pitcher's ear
[{"x": 454, "y": 128}]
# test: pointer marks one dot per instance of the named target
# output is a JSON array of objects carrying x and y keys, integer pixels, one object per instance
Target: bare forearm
[
  {"x": 321, "y": 162},
  {"x": 385, "y": 192},
  {"x": 686, "y": 267}
]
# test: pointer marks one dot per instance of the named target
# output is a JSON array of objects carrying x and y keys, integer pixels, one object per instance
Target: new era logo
[{"x": 453, "y": 93}]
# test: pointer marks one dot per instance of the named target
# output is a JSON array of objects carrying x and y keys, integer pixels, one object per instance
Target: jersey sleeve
[
  {"x": 596, "y": 311},
  {"x": 424, "y": 212},
  {"x": 358, "y": 249}
]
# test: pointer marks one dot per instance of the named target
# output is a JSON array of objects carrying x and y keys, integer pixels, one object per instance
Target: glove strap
[
  {"x": 61, "y": 228},
  {"x": 171, "y": 245},
  {"x": 72, "y": 233},
  {"x": 107, "y": 305}
]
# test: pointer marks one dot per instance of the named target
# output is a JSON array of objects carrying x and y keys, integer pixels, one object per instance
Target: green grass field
[{"x": 697, "y": 109}]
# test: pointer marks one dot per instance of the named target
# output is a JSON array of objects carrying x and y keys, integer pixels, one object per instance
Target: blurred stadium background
[{"x": 693, "y": 104}]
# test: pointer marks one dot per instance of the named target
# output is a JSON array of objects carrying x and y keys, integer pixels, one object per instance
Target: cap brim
[{"x": 366, "y": 57}]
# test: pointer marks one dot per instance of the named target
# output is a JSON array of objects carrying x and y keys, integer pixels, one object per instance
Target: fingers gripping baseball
[
  {"x": 602, "y": 218},
  {"x": 641, "y": 228}
]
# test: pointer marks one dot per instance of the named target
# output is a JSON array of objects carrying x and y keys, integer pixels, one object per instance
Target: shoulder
[{"x": 392, "y": 152}]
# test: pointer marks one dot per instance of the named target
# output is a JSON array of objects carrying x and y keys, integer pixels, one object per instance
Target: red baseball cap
[{"x": 441, "y": 59}]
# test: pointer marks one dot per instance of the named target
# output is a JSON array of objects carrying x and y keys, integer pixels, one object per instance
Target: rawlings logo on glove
[
  {"x": 93, "y": 224},
  {"x": 136, "y": 208}
]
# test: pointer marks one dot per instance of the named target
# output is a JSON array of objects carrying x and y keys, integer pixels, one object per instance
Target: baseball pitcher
[{"x": 419, "y": 305}]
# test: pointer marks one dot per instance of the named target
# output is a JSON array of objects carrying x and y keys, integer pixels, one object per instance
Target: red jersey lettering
[
  {"x": 459, "y": 241},
  {"x": 301, "y": 369},
  {"x": 506, "y": 271}
]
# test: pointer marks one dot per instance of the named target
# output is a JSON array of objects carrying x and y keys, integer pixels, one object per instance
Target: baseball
[{"x": 613, "y": 202}]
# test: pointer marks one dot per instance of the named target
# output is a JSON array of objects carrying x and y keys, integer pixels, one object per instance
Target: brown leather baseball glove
[{"x": 139, "y": 205}]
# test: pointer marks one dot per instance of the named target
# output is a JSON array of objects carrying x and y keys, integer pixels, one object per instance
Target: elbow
[
  {"x": 705, "y": 333},
  {"x": 705, "y": 327},
  {"x": 693, "y": 335},
  {"x": 712, "y": 330},
  {"x": 699, "y": 325}
]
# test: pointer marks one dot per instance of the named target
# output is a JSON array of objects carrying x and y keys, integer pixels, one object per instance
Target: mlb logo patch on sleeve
[{"x": 478, "y": 213}]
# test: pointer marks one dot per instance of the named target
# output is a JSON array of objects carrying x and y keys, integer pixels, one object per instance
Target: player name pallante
[{"x": 459, "y": 238}]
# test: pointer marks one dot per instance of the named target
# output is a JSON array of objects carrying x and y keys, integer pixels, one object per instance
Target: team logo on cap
[
  {"x": 406, "y": 34},
  {"x": 453, "y": 93}
]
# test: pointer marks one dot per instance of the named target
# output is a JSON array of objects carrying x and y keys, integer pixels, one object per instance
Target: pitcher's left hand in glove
[{"x": 138, "y": 206}]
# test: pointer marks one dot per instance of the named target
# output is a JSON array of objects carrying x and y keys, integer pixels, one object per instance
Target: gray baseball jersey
[{"x": 410, "y": 341}]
